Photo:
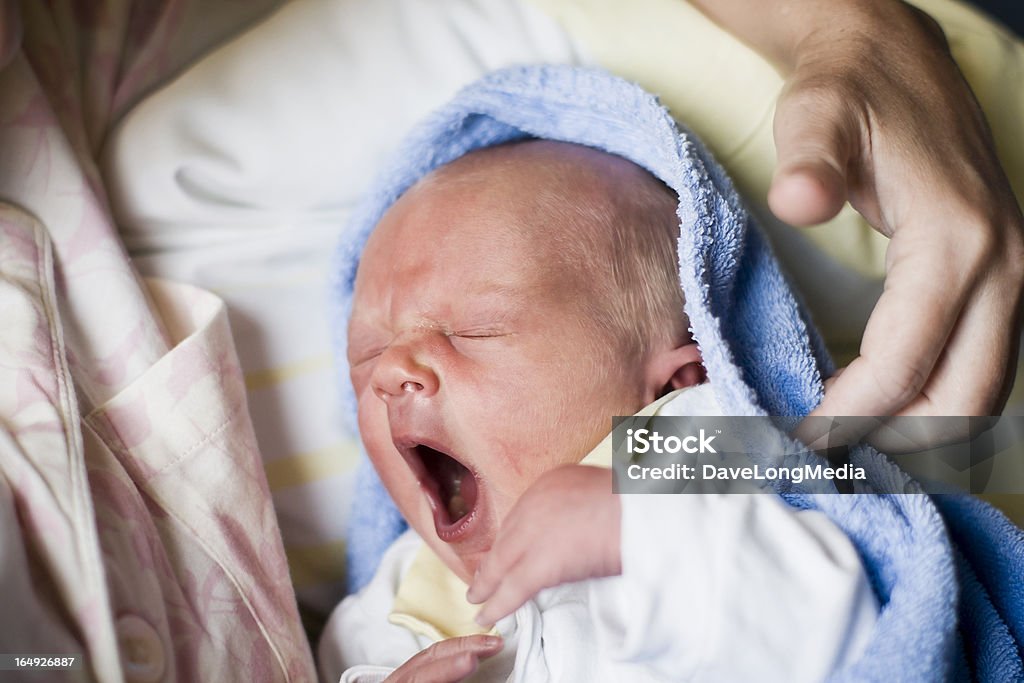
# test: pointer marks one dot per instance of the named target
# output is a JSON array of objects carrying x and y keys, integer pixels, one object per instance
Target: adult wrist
[
  {"x": 789, "y": 33},
  {"x": 891, "y": 26}
]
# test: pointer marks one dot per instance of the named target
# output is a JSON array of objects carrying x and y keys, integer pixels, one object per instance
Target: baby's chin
[
  {"x": 464, "y": 555},
  {"x": 462, "y": 562}
]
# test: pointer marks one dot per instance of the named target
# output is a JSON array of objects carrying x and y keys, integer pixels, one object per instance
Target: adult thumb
[{"x": 814, "y": 144}]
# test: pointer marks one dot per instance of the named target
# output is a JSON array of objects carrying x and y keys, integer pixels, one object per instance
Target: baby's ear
[{"x": 674, "y": 368}]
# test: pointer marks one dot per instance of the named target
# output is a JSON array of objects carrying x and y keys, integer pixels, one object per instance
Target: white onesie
[{"x": 714, "y": 587}]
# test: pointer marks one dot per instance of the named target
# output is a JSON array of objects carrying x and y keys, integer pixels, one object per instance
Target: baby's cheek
[
  {"x": 403, "y": 488},
  {"x": 513, "y": 482},
  {"x": 359, "y": 376},
  {"x": 392, "y": 469}
]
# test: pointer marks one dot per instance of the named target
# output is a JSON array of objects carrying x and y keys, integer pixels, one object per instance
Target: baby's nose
[{"x": 400, "y": 375}]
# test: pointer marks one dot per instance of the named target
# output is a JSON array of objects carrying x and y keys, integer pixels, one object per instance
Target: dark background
[{"x": 1010, "y": 12}]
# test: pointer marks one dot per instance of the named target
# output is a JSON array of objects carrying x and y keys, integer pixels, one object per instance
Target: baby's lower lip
[{"x": 457, "y": 531}]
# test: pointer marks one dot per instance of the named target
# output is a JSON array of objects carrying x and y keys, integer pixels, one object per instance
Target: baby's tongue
[{"x": 463, "y": 496}]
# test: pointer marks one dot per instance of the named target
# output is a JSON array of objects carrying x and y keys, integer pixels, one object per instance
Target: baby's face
[{"x": 475, "y": 365}]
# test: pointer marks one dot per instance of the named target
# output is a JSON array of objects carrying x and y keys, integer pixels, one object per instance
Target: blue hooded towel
[{"x": 948, "y": 572}]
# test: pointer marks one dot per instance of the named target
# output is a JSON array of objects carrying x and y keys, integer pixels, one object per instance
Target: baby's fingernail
[
  {"x": 471, "y": 594},
  {"x": 481, "y": 620}
]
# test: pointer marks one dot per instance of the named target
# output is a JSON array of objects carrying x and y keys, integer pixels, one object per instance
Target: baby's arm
[
  {"x": 712, "y": 587},
  {"x": 446, "y": 661}
]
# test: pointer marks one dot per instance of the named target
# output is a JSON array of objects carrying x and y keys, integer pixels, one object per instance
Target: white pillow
[{"x": 293, "y": 117}]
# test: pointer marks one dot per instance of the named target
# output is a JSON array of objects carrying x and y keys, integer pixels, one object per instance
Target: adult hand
[
  {"x": 446, "y": 661},
  {"x": 875, "y": 112},
  {"x": 565, "y": 527}
]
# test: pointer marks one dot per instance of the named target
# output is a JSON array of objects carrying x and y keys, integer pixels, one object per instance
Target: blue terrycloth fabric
[{"x": 950, "y": 608}]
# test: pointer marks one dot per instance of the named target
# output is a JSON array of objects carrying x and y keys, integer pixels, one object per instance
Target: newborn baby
[{"x": 505, "y": 308}]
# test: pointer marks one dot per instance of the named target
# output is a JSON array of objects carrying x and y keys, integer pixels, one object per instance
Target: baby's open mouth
[{"x": 450, "y": 487}]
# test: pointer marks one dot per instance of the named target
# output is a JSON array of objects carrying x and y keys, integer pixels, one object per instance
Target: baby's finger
[
  {"x": 448, "y": 669},
  {"x": 510, "y": 595},
  {"x": 509, "y": 546},
  {"x": 517, "y": 585},
  {"x": 447, "y": 660},
  {"x": 484, "y": 583}
]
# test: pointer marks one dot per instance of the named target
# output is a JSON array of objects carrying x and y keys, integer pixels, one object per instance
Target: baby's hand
[
  {"x": 564, "y": 528},
  {"x": 446, "y": 661}
]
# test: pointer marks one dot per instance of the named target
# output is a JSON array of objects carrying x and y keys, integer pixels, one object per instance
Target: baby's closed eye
[
  {"x": 476, "y": 340},
  {"x": 362, "y": 350},
  {"x": 366, "y": 341},
  {"x": 363, "y": 357},
  {"x": 479, "y": 334}
]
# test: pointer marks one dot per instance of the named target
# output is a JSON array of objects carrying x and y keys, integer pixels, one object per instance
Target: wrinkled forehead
[
  {"x": 551, "y": 193},
  {"x": 454, "y": 226},
  {"x": 490, "y": 208},
  {"x": 533, "y": 171},
  {"x": 454, "y": 243}
]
